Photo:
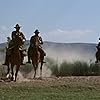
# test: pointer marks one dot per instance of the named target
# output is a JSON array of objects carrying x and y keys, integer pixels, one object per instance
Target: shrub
[
  {"x": 65, "y": 69},
  {"x": 77, "y": 68},
  {"x": 80, "y": 68}
]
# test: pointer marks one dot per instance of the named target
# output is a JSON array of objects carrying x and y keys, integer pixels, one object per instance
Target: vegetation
[
  {"x": 51, "y": 90},
  {"x": 62, "y": 88},
  {"x": 77, "y": 68},
  {"x": 65, "y": 68}
]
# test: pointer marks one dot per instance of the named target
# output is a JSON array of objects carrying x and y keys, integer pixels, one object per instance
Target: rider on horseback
[
  {"x": 13, "y": 43},
  {"x": 98, "y": 46},
  {"x": 33, "y": 40},
  {"x": 98, "y": 52}
]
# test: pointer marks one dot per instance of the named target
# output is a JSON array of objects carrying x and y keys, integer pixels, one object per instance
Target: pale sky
[{"x": 67, "y": 21}]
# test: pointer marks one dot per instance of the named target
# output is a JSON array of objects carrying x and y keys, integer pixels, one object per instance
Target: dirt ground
[{"x": 73, "y": 81}]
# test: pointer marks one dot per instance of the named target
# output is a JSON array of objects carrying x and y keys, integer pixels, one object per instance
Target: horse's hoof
[{"x": 14, "y": 80}]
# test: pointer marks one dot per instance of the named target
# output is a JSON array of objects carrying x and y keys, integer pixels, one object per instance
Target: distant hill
[
  {"x": 71, "y": 51},
  {"x": 63, "y": 51}
]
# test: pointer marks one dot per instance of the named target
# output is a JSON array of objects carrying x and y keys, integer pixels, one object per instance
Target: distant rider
[{"x": 98, "y": 46}]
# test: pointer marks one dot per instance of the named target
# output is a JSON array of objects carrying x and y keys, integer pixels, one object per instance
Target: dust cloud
[
  {"x": 71, "y": 56},
  {"x": 60, "y": 53}
]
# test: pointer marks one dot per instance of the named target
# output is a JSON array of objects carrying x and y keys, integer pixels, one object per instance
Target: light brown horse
[
  {"x": 37, "y": 58},
  {"x": 14, "y": 58}
]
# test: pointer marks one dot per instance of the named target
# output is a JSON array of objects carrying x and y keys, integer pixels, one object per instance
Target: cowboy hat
[
  {"x": 36, "y": 31},
  {"x": 17, "y": 26}
]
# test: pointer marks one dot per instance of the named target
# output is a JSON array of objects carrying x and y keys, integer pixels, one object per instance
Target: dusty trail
[{"x": 73, "y": 81}]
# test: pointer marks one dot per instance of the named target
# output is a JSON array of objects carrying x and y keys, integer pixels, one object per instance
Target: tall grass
[
  {"x": 80, "y": 68},
  {"x": 65, "y": 69},
  {"x": 77, "y": 68}
]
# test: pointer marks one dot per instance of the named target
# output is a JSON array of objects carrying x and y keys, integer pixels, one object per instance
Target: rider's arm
[
  {"x": 23, "y": 36},
  {"x": 31, "y": 41},
  {"x": 41, "y": 41},
  {"x": 13, "y": 35}
]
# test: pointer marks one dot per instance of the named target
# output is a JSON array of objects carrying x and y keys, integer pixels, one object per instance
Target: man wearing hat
[
  {"x": 39, "y": 43},
  {"x": 18, "y": 33},
  {"x": 12, "y": 43}
]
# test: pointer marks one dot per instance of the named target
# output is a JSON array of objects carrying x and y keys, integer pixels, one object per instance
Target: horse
[
  {"x": 97, "y": 55},
  {"x": 14, "y": 58},
  {"x": 37, "y": 58}
]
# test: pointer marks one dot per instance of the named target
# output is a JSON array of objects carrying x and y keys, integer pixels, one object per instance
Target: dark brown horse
[
  {"x": 37, "y": 58},
  {"x": 14, "y": 58}
]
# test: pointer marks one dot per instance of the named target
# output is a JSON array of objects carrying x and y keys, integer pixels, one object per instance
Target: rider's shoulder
[
  {"x": 13, "y": 31},
  {"x": 40, "y": 37},
  {"x": 20, "y": 32},
  {"x": 33, "y": 36}
]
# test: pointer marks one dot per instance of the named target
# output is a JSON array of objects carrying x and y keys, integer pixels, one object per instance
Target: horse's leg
[
  {"x": 35, "y": 69},
  {"x": 17, "y": 69},
  {"x": 41, "y": 69},
  {"x": 41, "y": 59},
  {"x": 12, "y": 72},
  {"x": 97, "y": 57},
  {"x": 8, "y": 69}
]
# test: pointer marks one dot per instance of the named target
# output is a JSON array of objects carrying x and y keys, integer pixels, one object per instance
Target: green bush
[
  {"x": 65, "y": 69},
  {"x": 77, "y": 68},
  {"x": 80, "y": 68}
]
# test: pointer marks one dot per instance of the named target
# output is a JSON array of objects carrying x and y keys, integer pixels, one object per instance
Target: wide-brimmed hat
[
  {"x": 37, "y": 31},
  {"x": 17, "y": 26}
]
